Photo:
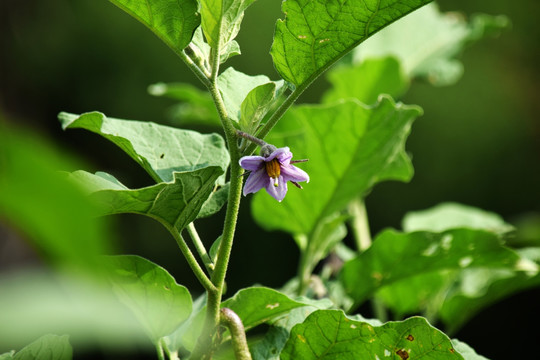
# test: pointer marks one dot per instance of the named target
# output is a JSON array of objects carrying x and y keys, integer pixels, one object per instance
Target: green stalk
[
  {"x": 205, "y": 346},
  {"x": 360, "y": 224},
  {"x": 238, "y": 335},
  {"x": 190, "y": 258},
  {"x": 199, "y": 246}
]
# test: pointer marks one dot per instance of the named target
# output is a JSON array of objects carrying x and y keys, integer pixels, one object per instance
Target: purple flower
[{"x": 272, "y": 172}]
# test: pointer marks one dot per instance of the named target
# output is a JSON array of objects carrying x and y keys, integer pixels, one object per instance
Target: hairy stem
[
  {"x": 205, "y": 346},
  {"x": 230, "y": 320},
  {"x": 190, "y": 258},
  {"x": 199, "y": 246}
]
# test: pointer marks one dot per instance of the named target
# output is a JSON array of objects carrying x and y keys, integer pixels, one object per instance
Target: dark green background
[{"x": 478, "y": 142}]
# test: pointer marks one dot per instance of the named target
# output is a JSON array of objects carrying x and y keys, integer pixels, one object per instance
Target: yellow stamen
[{"x": 273, "y": 170}]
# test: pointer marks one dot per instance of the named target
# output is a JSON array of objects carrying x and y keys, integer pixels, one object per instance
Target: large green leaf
[
  {"x": 174, "y": 204},
  {"x": 221, "y": 20},
  {"x": 160, "y": 150},
  {"x": 257, "y": 305},
  {"x": 172, "y": 21},
  {"x": 365, "y": 81},
  {"x": 153, "y": 295},
  {"x": 329, "y": 334},
  {"x": 455, "y": 295},
  {"x": 476, "y": 290},
  {"x": 428, "y": 41},
  {"x": 350, "y": 148},
  {"x": 235, "y": 87},
  {"x": 395, "y": 256},
  {"x": 269, "y": 347},
  {"x": 447, "y": 216},
  {"x": 47, "y": 347},
  {"x": 317, "y": 33}
]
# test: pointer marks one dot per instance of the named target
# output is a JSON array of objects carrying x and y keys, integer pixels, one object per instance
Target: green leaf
[
  {"x": 466, "y": 351},
  {"x": 365, "y": 81},
  {"x": 476, "y": 290},
  {"x": 215, "y": 202},
  {"x": 447, "y": 216},
  {"x": 81, "y": 304},
  {"x": 257, "y": 305},
  {"x": 255, "y": 106},
  {"x": 153, "y": 295},
  {"x": 235, "y": 87},
  {"x": 174, "y": 204},
  {"x": 47, "y": 347},
  {"x": 7, "y": 356},
  {"x": 315, "y": 34},
  {"x": 350, "y": 148},
  {"x": 395, "y": 256},
  {"x": 428, "y": 41},
  {"x": 196, "y": 106},
  {"x": 172, "y": 21},
  {"x": 270, "y": 346},
  {"x": 160, "y": 150},
  {"x": 221, "y": 20},
  {"x": 329, "y": 334}
]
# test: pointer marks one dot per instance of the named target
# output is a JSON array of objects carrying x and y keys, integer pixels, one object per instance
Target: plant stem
[
  {"x": 232, "y": 321},
  {"x": 190, "y": 258},
  {"x": 205, "y": 344},
  {"x": 360, "y": 225},
  {"x": 272, "y": 121},
  {"x": 199, "y": 246},
  {"x": 160, "y": 352}
]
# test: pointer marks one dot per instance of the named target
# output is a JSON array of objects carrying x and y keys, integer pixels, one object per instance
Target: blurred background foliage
[{"x": 478, "y": 142}]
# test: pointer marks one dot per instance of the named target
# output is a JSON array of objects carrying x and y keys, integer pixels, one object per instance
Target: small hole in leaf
[{"x": 410, "y": 337}]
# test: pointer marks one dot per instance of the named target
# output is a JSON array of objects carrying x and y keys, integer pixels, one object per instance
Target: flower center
[{"x": 273, "y": 169}]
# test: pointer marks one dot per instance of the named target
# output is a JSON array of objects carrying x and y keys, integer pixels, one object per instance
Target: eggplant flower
[{"x": 271, "y": 171}]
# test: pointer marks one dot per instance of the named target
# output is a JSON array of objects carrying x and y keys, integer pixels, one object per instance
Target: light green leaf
[
  {"x": 350, "y": 148},
  {"x": 466, "y": 351},
  {"x": 315, "y": 34},
  {"x": 80, "y": 304},
  {"x": 215, "y": 202},
  {"x": 172, "y": 21},
  {"x": 7, "y": 356},
  {"x": 395, "y": 256},
  {"x": 476, "y": 290},
  {"x": 447, "y": 216},
  {"x": 428, "y": 41},
  {"x": 365, "y": 81},
  {"x": 221, "y": 20},
  {"x": 235, "y": 87},
  {"x": 257, "y": 305},
  {"x": 196, "y": 106},
  {"x": 174, "y": 204},
  {"x": 270, "y": 346},
  {"x": 47, "y": 347},
  {"x": 256, "y": 105},
  {"x": 160, "y": 150},
  {"x": 329, "y": 334},
  {"x": 153, "y": 295}
]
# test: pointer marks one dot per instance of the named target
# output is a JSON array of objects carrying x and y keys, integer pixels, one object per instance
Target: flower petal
[
  {"x": 277, "y": 192},
  {"x": 284, "y": 156},
  {"x": 251, "y": 163},
  {"x": 292, "y": 173},
  {"x": 256, "y": 181}
]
